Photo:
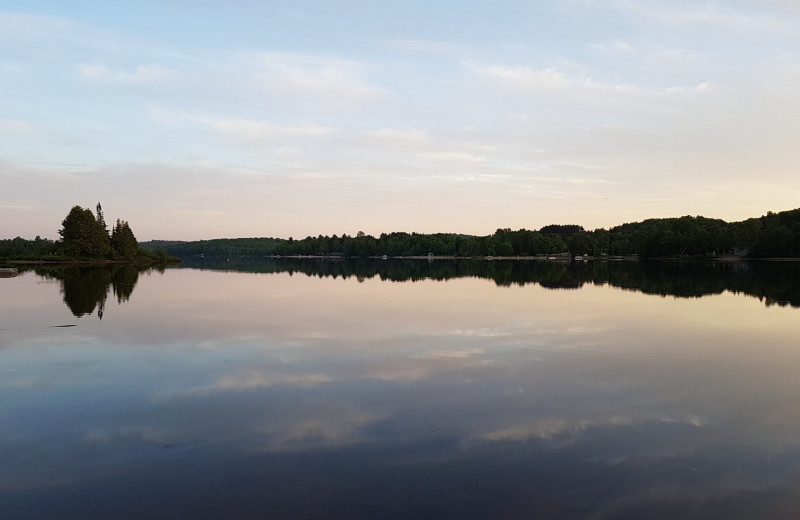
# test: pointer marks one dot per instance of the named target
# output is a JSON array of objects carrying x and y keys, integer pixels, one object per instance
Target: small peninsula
[{"x": 85, "y": 239}]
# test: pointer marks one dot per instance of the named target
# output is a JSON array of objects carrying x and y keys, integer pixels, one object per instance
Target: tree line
[
  {"x": 772, "y": 235},
  {"x": 84, "y": 236}
]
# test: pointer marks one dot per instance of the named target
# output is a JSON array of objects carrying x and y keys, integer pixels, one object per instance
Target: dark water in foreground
[{"x": 403, "y": 390}]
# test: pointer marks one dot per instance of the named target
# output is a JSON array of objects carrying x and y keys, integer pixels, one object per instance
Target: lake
[{"x": 239, "y": 388}]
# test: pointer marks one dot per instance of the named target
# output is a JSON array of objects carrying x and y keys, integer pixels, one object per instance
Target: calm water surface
[{"x": 223, "y": 394}]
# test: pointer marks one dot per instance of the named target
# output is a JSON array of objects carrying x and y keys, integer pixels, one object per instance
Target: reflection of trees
[
  {"x": 123, "y": 281},
  {"x": 85, "y": 288},
  {"x": 772, "y": 282}
]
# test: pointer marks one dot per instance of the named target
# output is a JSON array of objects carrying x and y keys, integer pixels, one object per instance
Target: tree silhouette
[
  {"x": 101, "y": 219},
  {"x": 83, "y": 236},
  {"x": 123, "y": 241}
]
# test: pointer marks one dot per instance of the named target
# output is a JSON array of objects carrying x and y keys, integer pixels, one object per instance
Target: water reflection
[
  {"x": 772, "y": 282},
  {"x": 234, "y": 395},
  {"x": 85, "y": 288}
]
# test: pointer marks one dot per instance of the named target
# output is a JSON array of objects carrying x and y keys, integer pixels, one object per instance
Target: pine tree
[
  {"x": 101, "y": 219},
  {"x": 123, "y": 241},
  {"x": 82, "y": 235}
]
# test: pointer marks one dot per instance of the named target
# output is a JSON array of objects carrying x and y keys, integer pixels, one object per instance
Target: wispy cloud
[
  {"x": 548, "y": 428},
  {"x": 259, "y": 379},
  {"x": 340, "y": 81},
  {"x": 316, "y": 427},
  {"x": 141, "y": 74},
  {"x": 434, "y": 47},
  {"x": 647, "y": 51},
  {"x": 548, "y": 78},
  {"x": 146, "y": 435},
  {"x": 16, "y": 126},
  {"x": 713, "y": 13},
  {"x": 240, "y": 128},
  {"x": 395, "y": 134},
  {"x": 23, "y": 383},
  {"x": 247, "y": 380},
  {"x": 249, "y": 130},
  {"x": 28, "y": 25},
  {"x": 451, "y": 156},
  {"x": 554, "y": 79},
  {"x": 455, "y": 353}
]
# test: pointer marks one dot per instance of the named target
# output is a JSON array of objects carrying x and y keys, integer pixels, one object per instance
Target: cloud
[
  {"x": 452, "y": 156},
  {"x": 678, "y": 57},
  {"x": 256, "y": 379},
  {"x": 478, "y": 333},
  {"x": 687, "y": 13},
  {"x": 395, "y": 134},
  {"x": 249, "y": 130},
  {"x": 548, "y": 428},
  {"x": 555, "y": 80},
  {"x": 427, "y": 46},
  {"x": 27, "y": 25},
  {"x": 315, "y": 426},
  {"x": 241, "y": 128},
  {"x": 338, "y": 81},
  {"x": 616, "y": 46},
  {"x": 141, "y": 74},
  {"x": 410, "y": 373},
  {"x": 23, "y": 383},
  {"x": 549, "y": 78},
  {"x": 16, "y": 126},
  {"x": 99, "y": 437},
  {"x": 247, "y": 380},
  {"x": 454, "y": 353}
]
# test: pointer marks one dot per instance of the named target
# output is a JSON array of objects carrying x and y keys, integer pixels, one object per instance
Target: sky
[{"x": 202, "y": 119}]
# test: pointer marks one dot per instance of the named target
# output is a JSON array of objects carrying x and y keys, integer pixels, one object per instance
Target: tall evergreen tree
[
  {"x": 123, "y": 241},
  {"x": 82, "y": 235},
  {"x": 100, "y": 218}
]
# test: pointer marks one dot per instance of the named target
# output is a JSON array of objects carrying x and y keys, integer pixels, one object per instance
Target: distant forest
[{"x": 774, "y": 235}]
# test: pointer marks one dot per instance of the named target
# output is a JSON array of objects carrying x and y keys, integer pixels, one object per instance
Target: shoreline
[
  {"x": 562, "y": 258},
  {"x": 86, "y": 262}
]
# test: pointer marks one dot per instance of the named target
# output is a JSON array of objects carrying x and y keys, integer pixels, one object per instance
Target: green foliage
[
  {"x": 100, "y": 218},
  {"x": 773, "y": 235},
  {"x": 21, "y": 249},
  {"x": 83, "y": 236},
  {"x": 502, "y": 243},
  {"x": 779, "y": 236},
  {"x": 564, "y": 231},
  {"x": 123, "y": 241}
]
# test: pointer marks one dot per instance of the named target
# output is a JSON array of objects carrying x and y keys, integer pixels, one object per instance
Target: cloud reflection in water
[{"x": 591, "y": 403}]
